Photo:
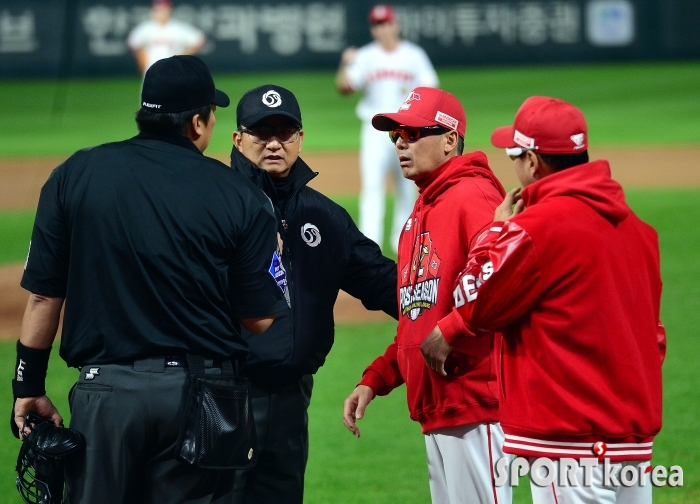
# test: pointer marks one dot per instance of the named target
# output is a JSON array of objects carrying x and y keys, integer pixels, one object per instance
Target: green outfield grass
[
  {"x": 387, "y": 464},
  {"x": 632, "y": 104},
  {"x": 637, "y": 104},
  {"x": 15, "y": 233}
]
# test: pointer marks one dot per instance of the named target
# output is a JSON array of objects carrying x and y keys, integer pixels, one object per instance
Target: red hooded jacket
[
  {"x": 455, "y": 203},
  {"x": 574, "y": 283}
]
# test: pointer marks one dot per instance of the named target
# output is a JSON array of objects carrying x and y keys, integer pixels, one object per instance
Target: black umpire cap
[
  {"x": 264, "y": 101},
  {"x": 178, "y": 84}
]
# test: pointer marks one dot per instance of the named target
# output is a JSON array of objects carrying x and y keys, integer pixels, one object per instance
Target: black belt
[
  {"x": 153, "y": 364},
  {"x": 175, "y": 361},
  {"x": 181, "y": 361}
]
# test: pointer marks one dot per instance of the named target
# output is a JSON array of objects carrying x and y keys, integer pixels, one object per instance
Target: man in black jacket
[
  {"x": 157, "y": 252},
  {"x": 323, "y": 252}
]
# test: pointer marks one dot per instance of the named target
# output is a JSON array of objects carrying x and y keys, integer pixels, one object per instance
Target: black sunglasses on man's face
[{"x": 412, "y": 135}]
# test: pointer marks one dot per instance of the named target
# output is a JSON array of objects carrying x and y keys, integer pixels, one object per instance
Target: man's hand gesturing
[{"x": 354, "y": 407}]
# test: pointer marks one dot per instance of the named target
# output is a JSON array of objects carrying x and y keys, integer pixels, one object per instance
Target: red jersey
[
  {"x": 574, "y": 283},
  {"x": 454, "y": 204}
]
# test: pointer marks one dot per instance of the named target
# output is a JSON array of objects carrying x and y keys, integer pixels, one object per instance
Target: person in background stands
[{"x": 163, "y": 37}]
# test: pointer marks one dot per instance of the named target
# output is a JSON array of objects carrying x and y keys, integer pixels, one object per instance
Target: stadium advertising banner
[{"x": 49, "y": 37}]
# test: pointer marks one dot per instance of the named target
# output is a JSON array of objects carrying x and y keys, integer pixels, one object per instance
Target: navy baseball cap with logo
[
  {"x": 265, "y": 101},
  {"x": 178, "y": 84}
]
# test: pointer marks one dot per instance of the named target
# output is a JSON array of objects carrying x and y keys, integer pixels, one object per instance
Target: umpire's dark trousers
[
  {"x": 282, "y": 425},
  {"x": 130, "y": 416}
]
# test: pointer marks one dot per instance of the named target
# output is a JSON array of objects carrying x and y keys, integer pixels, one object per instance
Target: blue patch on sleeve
[{"x": 280, "y": 275}]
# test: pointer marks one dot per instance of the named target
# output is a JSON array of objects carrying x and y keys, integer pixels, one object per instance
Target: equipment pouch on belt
[{"x": 218, "y": 429}]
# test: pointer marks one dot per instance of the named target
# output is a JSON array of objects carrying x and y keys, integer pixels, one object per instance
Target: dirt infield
[{"x": 21, "y": 181}]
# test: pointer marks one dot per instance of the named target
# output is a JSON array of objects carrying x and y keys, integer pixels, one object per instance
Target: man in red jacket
[
  {"x": 458, "y": 407},
  {"x": 573, "y": 281}
]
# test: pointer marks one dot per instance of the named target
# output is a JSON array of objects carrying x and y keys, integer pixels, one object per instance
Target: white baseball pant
[
  {"x": 378, "y": 159},
  {"x": 597, "y": 493},
  {"x": 461, "y": 465}
]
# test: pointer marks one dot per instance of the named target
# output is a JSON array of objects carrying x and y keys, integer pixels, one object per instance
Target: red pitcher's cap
[
  {"x": 381, "y": 14},
  {"x": 547, "y": 125},
  {"x": 423, "y": 107}
]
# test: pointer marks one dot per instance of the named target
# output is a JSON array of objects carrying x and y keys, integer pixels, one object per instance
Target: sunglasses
[
  {"x": 515, "y": 152},
  {"x": 412, "y": 135},
  {"x": 263, "y": 135}
]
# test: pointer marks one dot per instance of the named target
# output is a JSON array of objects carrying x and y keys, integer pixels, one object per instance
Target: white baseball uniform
[
  {"x": 386, "y": 78},
  {"x": 456, "y": 466},
  {"x": 164, "y": 40},
  {"x": 599, "y": 492}
]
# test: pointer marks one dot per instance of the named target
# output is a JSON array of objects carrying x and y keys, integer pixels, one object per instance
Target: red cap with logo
[
  {"x": 547, "y": 125},
  {"x": 423, "y": 107},
  {"x": 381, "y": 14}
]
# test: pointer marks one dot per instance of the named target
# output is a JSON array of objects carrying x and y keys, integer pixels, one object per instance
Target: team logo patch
[
  {"x": 279, "y": 274},
  {"x": 523, "y": 140},
  {"x": 419, "y": 279},
  {"x": 446, "y": 120},
  {"x": 407, "y": 227},
  {"x": 90, "y": 375},
  {"x": 578, "y": 140},
  {"x": 272, "y": 99},
  {"x": 407, "y": 102},
  {"x": 311, "y": 235}
]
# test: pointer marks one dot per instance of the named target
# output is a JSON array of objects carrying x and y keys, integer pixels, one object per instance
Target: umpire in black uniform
[
  {"x": 158, "y": 252},
  {"x": 323, "y": 253}
]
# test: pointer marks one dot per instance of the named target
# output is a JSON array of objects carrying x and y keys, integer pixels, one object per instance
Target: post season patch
[
  {"x": 420, "y": 279},
  {"x": 280, "y": 275}
]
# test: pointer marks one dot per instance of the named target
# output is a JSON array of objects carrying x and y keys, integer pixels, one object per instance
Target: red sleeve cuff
[
  {"x": 452, "y": 327},
  {"x": 373, "y": 380}
]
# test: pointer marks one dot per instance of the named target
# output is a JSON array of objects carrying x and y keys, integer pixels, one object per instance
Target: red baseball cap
[
  {"x": 423, "y": 107},
  {"x": 545, "y": 124},
  {"x": 381, "y": 14},
  {"x": 163, "y": 3}
]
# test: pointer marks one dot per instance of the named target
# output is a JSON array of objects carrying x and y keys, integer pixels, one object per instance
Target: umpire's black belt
[{"x": 211, "y": 366}]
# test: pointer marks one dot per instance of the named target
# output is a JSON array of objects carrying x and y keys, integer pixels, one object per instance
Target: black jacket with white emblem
[{"x": 323, "y": 253}]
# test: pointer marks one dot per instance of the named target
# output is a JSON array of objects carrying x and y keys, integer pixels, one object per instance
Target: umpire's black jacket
[{"x": 336, "y": 256}]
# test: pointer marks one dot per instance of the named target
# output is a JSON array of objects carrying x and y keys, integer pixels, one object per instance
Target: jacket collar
[
  {"x": 589, "y": 183},
  {"x": 452, "y": 171},
  {"x": 300, "y": 174},
  {"x": 179, "y": 140}
]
